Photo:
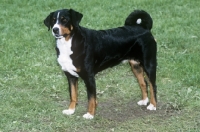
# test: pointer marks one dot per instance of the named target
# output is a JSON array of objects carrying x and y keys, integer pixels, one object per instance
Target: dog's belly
[{"x": 64, "y": 58}]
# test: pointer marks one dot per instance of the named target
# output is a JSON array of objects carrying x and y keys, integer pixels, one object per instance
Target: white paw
[
  {"x": 143, "y": 102},
  {"x": 88, "y": 116},
  {"x": 68, "y": 112},
  {"x": 151, "y": 107}
]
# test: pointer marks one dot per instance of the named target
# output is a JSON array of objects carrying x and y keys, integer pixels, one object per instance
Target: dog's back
[{"x": 114, "y": 45}]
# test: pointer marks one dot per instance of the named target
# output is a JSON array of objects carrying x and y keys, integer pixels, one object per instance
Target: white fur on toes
[
  {"x": 88, "y": 116},
  {"x": 143, "y": 102},
  {"x": 68, "y": 112},
  {"x": 151, "y": 107}
]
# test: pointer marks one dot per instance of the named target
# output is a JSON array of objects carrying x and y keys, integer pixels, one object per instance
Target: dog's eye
[
  {"x": 54, "y": 19},
  {"x": 64, "y": 20}
]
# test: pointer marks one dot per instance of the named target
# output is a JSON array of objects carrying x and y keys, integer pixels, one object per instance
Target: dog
[{"x": 83, "y": 52}]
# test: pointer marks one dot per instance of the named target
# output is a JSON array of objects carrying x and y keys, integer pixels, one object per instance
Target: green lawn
[{"x": 33, "y": 89}]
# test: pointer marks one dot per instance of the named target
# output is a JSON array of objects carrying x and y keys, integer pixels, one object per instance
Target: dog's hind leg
[
  {"x": 152, "y": 105},
  {"x": 150, "y": 69},
  {"x": 139, "y": 74},
  {"x": 73, "y": 91}
]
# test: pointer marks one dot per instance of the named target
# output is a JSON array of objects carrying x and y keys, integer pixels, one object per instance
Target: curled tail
[{"x": 139, "y": 17}]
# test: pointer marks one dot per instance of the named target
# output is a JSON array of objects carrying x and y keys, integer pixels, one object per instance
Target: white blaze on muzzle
[{"x": 57, "y": 26}]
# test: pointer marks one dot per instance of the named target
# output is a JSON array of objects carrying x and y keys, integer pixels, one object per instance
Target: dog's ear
[
  {"x": 75, "y": 17},
  {"x": 48, "y": 20}
]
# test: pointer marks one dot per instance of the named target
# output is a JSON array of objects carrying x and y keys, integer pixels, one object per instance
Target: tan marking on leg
[
  {"x": 92, "y": 106},
  {"x": 152, "y": 98},
  {"x": 139, "y": 74},
  {"x": 78, "y": 69},
  {"x": 74, "y": 94}
]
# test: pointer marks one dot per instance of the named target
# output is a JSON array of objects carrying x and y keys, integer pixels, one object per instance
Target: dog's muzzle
[{"x": 56, "y": 32}]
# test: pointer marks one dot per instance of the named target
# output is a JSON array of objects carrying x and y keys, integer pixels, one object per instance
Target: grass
[{"x": 33, "y": 90}]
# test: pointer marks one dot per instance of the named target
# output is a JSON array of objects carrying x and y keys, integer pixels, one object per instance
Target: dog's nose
[{"x": 56, "y": 30}]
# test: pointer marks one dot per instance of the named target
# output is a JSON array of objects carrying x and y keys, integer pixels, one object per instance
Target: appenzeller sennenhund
[{"x": 83, "y": 52}]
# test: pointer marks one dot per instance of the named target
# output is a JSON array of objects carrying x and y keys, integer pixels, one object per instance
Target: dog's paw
[
  {"x": 151, "y": 107},
  {"x": 88, "y": 116},
  {"x": 68, "y": 112},
  {"x": 143, "y": 102}
]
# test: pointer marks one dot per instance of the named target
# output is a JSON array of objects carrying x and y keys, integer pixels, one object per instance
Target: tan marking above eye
[{"x": 63, "y": 19}]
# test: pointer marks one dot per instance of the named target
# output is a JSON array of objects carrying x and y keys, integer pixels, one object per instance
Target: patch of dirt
[
  {"x": 127, "y": 110},
  {"x": 119, "y": 110},
  {"x": 113, "y": 111}
]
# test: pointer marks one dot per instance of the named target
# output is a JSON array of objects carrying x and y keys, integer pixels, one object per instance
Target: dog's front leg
[
  {"x": 73, "y": 91},
  {"x": 91, "y": 93}
]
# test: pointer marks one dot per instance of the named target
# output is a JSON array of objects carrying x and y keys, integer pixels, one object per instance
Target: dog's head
[{"x": 62, "y": 22}]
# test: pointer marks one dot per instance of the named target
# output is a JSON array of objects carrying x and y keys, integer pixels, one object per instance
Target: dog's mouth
[{"x": 58, "y": 36}]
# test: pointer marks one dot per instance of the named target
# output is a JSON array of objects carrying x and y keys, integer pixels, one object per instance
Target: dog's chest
[{"x": 64, "y": 58}]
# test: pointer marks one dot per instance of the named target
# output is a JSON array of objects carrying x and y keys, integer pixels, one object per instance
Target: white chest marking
[{"x": 64, "y": 58}]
